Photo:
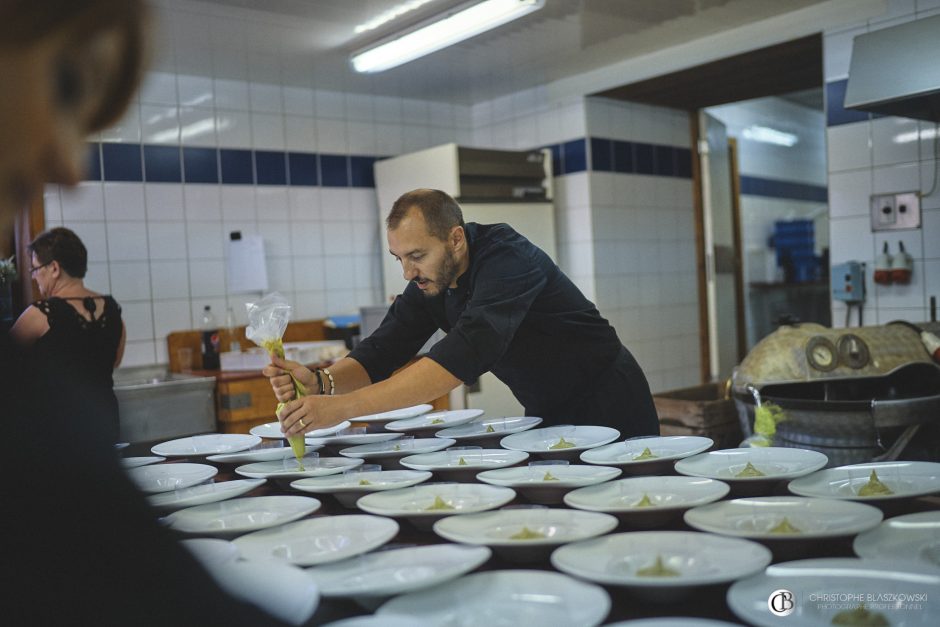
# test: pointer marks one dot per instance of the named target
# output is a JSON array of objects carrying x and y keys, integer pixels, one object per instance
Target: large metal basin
[{"x": 157, "y": 405}]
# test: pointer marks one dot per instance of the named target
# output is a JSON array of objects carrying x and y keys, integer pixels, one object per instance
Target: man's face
[{"x": 432, "y": 264}]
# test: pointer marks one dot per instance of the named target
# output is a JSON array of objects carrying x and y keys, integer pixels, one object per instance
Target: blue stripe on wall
[
  {"x": 230, "y": 166},
  {"x": 836, "y": 113},
  {"x": 775, "y": 188}
]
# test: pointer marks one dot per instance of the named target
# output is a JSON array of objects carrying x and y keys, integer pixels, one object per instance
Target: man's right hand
[{"x": 279, "y": 373}]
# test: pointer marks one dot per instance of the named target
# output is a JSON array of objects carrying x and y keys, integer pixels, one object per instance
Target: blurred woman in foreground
[{"x": 80, "y": 545}]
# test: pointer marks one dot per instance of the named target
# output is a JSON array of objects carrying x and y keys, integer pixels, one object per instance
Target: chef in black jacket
[
  {"x": 506, "y": 308},
  {"x": 78, "y": 543}
]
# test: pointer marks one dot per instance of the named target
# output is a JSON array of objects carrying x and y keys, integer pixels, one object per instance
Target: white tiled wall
[
  {"x": 160, "y": 248},
  {"x": 884, "y": 155}
]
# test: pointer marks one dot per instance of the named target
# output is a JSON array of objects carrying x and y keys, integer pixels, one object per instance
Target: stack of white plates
[
  {"x": 272, "y": 430},
  {"x": 388, "y": 454}
]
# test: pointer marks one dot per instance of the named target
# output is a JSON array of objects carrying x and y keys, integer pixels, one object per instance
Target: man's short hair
[{"x": 441, "y": 212}]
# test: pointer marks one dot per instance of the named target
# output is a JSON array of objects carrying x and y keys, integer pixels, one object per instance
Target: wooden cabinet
[{"x": 243, "y": 403}]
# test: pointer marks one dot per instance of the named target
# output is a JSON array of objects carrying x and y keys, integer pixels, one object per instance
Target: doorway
[{"x": 731, "y": 242}]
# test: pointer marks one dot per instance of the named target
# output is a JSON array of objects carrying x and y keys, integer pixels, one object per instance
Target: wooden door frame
[{"x": 698, "y": 204}]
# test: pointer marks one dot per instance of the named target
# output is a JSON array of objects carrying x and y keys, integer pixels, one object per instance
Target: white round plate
[
  {"x": 775, "y": 462},
  {"x": 463, "y": 460},
  {"x": 632, "y": 495},
  {"x": 904, "y": 479},
  {"x": 395, "y": 414},
  {"x": 207, "y": 444},
  {"x": 371, "y": 620},
  {"x": 318, "y": 540},
  {"x": 419, "y": 501},
  {"x": 548, "y": 483},
  {"x": 290, "y": 469},
  {"x": 672, "y": 621},
  {"x": 266, "y": 454},
  {"x": 136, "y": 462},
  {"x": 629, "y": 454},
  {"x": 397, "y": 571},
  {"x": 699, "y": 559},
  {"x": 201, "y": 494},
  {"x": 242, "y": 515},
  {"x": 756, "y": 518},
  {"x": 818, "y": 584},
  {"x": 165, "y": 477},
  {"x": 211, "y": 551},
  {"x": 272, "y": 430},
  {"x": 537, "y": 526},
  {"x": 436, "y": 420},
  {"x": 505, "y": 597},
  {"x": 483, "y": 427},
  {"x": 397, "y": 449},
  {"x": 353, "y": 439},
  {"x": 911, "y": 537},
  {"x": 349, "y": 487},
  {"x": 281, "y": 590},
  {"x": 542, "y": 441}
]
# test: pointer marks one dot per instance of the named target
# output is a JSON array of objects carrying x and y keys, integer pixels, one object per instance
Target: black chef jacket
[{"x": 515, "y": 313}]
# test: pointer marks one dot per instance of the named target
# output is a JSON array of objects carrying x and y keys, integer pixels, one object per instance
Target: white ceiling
[{"x": 307, "y": 42}]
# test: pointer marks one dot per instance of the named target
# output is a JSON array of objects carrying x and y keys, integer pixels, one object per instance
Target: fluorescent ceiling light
[
  {"x": 443, "y": 31},
  {"x": 769, "y": 135}
]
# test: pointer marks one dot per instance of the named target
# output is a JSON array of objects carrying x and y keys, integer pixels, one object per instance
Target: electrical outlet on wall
[{"x": 895, "y": 211}]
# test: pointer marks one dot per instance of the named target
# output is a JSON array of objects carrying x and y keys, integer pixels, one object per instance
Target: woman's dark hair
[
  {"x": 62, "y": 245},
  {"x": 24, "y": 22},
  {"x": 441, "y": 212}
]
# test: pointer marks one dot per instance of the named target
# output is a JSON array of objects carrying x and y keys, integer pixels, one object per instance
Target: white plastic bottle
[{"x": 230, "y": 328}]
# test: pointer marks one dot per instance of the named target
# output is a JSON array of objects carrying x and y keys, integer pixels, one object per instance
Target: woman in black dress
[{"x": 73, "y": 327}]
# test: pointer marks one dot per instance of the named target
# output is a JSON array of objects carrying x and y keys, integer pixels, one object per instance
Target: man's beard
[{"x": 445, "y": 275}]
